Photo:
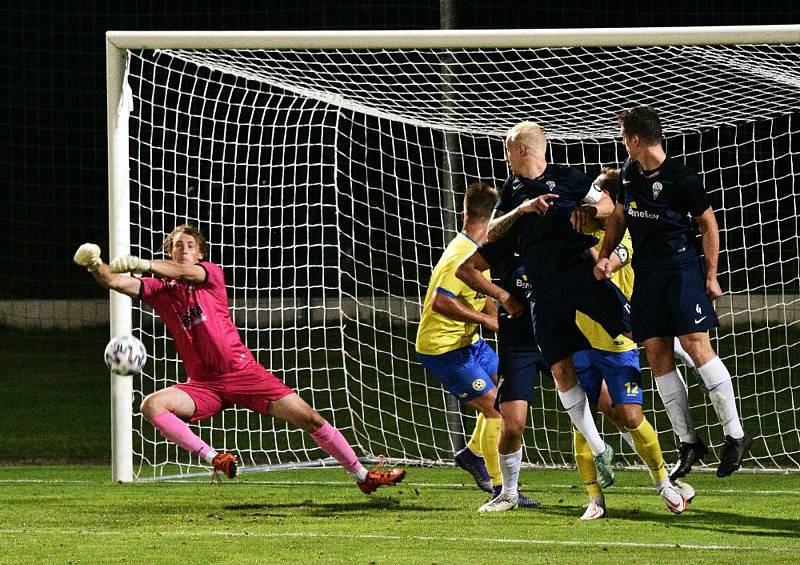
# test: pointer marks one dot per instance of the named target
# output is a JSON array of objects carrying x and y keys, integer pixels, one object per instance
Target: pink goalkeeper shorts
[{"x": 253, "y": 387}]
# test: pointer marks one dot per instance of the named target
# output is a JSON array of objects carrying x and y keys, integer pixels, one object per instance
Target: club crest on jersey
[
  {"x": 657, "y": 188},
  {"x": 478, "y": 384},
  {"x": 551, "y": 184},
  {"x": 193, "y": 316}
]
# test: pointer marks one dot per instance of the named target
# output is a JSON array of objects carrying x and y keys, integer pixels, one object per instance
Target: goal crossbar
[{"x": 452, "y": 38}]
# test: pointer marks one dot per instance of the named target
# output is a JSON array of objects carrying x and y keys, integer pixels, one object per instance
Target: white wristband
[{"x": 594, "y": 195}]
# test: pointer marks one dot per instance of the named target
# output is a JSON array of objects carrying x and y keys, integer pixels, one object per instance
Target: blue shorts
[
  {"x": 467, "y": 372},
  {"x": 558, "y": 295},
  {"x": 519, "y": 372},
  {"x": 671, "y": 303},
  {"x": 620, "y": 370}
]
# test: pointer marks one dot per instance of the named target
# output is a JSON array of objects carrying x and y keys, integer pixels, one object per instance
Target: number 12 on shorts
[{"x": 631, "y": 389}]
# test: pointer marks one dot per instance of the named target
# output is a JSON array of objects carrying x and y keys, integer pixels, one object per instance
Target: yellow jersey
[
  {"x": 438, "y": 334},
  {"x": 623, "y": 278}
]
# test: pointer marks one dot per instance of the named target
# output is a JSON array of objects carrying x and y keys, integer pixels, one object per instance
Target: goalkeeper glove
[
  {"x": 129, "y": 264},
  {"x": 88, "y": 255}
]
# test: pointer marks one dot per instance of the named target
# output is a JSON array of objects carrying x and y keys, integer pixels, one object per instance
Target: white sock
[
  {"x": 720, "y": 390},
  {"x": 681, "y": 354},
  {"x": 509, "y": 467},
  {"x": 210, "y": 456},
  {"x": 628, "y": 439},
  {"x": 672, "y": 391},
  {"x": 575, "y": 403},
  {"x": 360, "y": 475}
]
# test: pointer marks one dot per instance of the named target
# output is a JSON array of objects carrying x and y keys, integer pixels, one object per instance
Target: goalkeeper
[
  {"x": 673, "y": 293},
  {"x": 188, "y": 293}
]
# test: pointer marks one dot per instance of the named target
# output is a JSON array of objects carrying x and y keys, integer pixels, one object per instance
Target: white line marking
[
  {"x": 45, "y": 481},
  {"x": 385, "y": 537}
]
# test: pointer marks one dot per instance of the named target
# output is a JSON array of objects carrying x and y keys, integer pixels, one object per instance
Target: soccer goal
[{"x": 327, "y": 170}]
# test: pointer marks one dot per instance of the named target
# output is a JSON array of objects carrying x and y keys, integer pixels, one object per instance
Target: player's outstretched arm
[
  {"x": 162, "y": 267},
  {"x": 88, "y": 256},
  {"x": 499, "y": 227},
  {"x": 709, "y": 234}
]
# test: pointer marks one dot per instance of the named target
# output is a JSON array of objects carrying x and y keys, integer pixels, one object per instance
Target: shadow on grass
[
  {"x": 729, "y": 523},
  {"x": 736, "y": 524},
  {"x": 327, "y": 509}
]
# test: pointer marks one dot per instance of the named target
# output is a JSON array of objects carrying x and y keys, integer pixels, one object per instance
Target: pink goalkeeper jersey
[{"x": 198, "y": 320}]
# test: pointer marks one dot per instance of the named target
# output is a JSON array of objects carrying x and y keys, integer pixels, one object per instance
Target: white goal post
[{"x": 327, "y": 170}]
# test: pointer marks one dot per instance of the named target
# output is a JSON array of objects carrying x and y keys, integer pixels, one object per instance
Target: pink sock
[
  {"x": 177, "y": 431},
  {"x": 334, "y": 444}
]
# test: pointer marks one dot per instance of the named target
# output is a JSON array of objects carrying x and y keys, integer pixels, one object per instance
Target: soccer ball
[{"x": 125, "y": 355}]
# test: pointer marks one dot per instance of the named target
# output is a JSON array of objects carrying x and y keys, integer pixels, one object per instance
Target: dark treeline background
[{"x": 53, "y": 192}]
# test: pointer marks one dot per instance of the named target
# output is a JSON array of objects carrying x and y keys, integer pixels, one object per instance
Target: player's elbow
[
  {"x": 462, "y": 273},
  {"x": 442, "y": 305}
]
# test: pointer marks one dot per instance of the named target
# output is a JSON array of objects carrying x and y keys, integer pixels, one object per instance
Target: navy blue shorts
[
  {"x": 619, "y": 369},
  {"x": 519, "y": 373},
  {"x": 671, "y": 303},
  {"x": 558, "y": 295},
  {"x": 467, "y": 372}
]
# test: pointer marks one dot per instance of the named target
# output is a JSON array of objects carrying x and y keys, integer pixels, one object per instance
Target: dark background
[{"x": 53, "y": 189}]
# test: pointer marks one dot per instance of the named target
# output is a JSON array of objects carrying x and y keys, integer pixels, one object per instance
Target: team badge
[
  {"x": 657, "y": 188},
  {"x": 478, "y": 384},
  {"x": 550, "y": 184}
]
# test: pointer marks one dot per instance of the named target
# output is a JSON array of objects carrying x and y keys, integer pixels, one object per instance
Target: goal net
[{"x": 329, "y": 180}]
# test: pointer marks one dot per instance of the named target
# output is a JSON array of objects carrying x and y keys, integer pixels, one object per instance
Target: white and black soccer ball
[{"x": 125, "y": 355}]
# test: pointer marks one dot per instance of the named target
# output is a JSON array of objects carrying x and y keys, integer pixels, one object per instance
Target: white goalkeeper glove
[
  {"x": 88, "y": 255},
  {"x": 129, "y": 264}
]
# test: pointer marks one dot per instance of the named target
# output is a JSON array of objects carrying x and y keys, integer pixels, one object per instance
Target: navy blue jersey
[
  {"x": 658, "y": 205},
  {"x": 509, "y": 273},
  {"x": 548, "y": 243}
]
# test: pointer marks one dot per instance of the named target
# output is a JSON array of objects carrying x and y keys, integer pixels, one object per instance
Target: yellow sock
[
  {"x": 490, "y": 436},
  {"x": 584, "y": 460},
  {"x": 646, "y": 441},
  {"x": 474, "y": 443}
]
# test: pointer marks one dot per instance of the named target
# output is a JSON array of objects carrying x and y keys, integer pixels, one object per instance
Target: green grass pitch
[
  {"x": 55, "y": 409},
  {"x": 75, "y": 514}
]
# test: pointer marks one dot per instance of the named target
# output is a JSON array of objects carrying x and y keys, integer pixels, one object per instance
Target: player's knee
[
  {"x": 698, "y": 347},
  {"x": 564, "y": 377},
  {"x": 632, "y": 416},
  {"x": 513, "y": 428},
  {"x": 151, "y": 406},
  {"x": 488, "y": 409}
]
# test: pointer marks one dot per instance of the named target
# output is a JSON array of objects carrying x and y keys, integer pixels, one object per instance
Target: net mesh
[{"x": 329, "y": 182}]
